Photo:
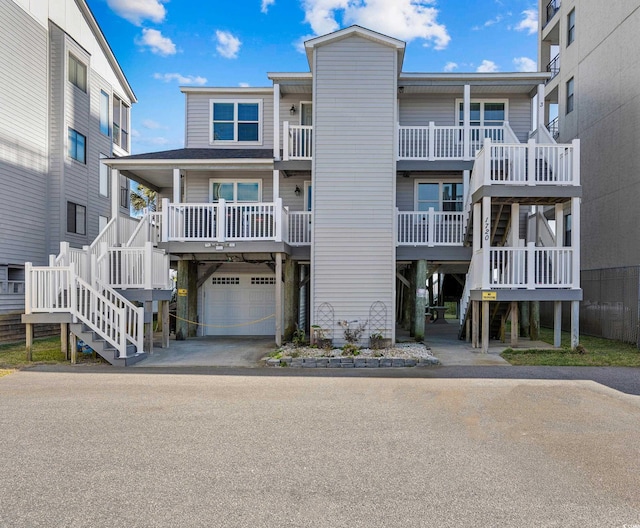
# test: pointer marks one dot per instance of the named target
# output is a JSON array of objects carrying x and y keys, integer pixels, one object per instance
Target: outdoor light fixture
[
  {"x": 292, "y": 110},
  {"x": 297, "y": 191}
]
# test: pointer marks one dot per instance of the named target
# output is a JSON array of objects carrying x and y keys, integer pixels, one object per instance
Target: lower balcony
[{"x": 249, "y": 222}]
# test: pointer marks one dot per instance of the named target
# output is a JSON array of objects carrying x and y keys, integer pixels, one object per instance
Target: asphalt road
[{"x": 101, "y": 448}]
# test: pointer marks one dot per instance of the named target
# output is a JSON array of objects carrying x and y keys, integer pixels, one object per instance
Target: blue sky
[{"x": 163, "y": 44}]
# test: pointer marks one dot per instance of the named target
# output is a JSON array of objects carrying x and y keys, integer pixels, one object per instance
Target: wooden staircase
[{"x": 103, "y": 348}]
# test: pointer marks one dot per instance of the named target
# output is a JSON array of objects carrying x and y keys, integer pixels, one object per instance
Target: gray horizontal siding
[
  {"x": 354, "y": 178},
  {"x": 23, "y": 139},
  {"x": 198, "y": 119}
]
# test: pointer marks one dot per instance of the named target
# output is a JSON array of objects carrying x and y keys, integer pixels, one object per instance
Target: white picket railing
[
  {"x": 108, "y": 236},
  {"x": 133, "y": 267},
  {"x": 126, "y": 228},
  {"x": 300, "y": 228},
  {"x": 250, "y": 221},
  {"x": 530, "y": 267},
  {"x": 430, "y": 228},
  {"x": 189, "y": 221},
  {"x": 57, "y": 289},
  {"x": 298, "y": 142}
]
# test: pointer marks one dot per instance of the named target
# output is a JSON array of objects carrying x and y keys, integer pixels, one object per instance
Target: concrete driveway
[
  {"x": 95, "y": 447},
  {"x": 240, "y": 351}
]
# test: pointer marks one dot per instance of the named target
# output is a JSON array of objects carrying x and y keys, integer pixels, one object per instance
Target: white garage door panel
[{"x": 230, "y": 300}]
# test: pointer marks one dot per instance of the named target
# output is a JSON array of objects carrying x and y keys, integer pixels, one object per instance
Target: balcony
[
  {"x": 552, "y": 8},
  {"x": 426, "y": 143},
  {"x": 554, "y": 67}
]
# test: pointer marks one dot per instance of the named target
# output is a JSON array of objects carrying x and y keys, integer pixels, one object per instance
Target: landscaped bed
[{"x": 352, "y": 356}]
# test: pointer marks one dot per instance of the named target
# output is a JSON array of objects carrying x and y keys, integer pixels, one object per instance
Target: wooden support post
[
  {"x": 164, "y": 310},
  {"x": 524, "y": 318},
  {"x": 467, "y": 332},
  {"x": 475, "y": 324},
  {"x": 503, "y": 327},
  {"x": 411, "y": 299},
  {"x": 575, "y": 324},
  {"x": 485, "y": 326},
  {"x": 64, "y": 340},
  {"x": 514, "y": 323},
  {"x": 148, "y": 327},
  {"x": 73, "y": 344},
  {"x": 29, "y": 341},
  {"x": 291, "y": 297},
  {"x": 420, "y": 300},
  {"x": 534, "y": 320},
  {"x": 557, "y": 324},
  {"x": 182, "y": 308},
  {"x": 278, "y": 299}
]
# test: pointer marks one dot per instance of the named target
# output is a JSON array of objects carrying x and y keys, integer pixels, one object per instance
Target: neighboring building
[
  {"x": 337, "y": 194},
  {"x": 64, "y": 104},
  {"x": 590, "y": 49}
]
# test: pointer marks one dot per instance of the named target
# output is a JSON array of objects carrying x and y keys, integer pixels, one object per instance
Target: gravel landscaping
[{"x": 400, "y": 355}]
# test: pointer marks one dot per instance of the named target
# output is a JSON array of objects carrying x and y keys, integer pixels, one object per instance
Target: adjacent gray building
[{"x": 64, "y": 104}]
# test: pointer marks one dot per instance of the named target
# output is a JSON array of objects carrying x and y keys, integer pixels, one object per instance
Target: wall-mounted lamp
[
  {"x": 400, "y": 89},
  {"x": 298, "y": 191},
  {"x": 292, "y": 110}
]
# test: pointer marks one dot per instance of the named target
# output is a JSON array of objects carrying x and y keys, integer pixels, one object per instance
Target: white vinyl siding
[{"x": 353, "y": 252}]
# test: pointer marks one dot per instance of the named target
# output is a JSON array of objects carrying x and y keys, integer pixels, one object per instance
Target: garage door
[{"x": 233, "y": 301}]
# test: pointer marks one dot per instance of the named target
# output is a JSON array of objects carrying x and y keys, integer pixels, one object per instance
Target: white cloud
[
  {"x": 135, "y": 11},
  {"x": 403, "y": 19},
  {"x": 244, "y": 85},
  {"x": 152, "y": 125},
  {"x": 525, "y": 64},
  {"x": 450, "y": 66},
  {"x": 487, "y": 66},
  {"x": 529, "y": 23},
  {"x": 182, "y": 79},
  {"x": 265, "y": 5},
  {"x": 228, "y": 45},
  {"x": 153, "y": 39}
]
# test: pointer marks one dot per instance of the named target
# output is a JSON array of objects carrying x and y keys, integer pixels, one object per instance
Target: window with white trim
[
  {"x": 76, "y": 218},
  {"x": 235, "y": 190},
  {"x": 571, "y": 26},
  {"x": 236, "y": 121},
  {"x": 489, "y": 112},
  {"x": 570, "y": 88},
  {"x": 77, "y": 73},
  {"x": 102, "y": 222},
  {"x": 77, "y": 146},
  {"x": 120, "y": 123},
  {"x": 441, "y": 196},
  {"x": 104, "y": 113}
]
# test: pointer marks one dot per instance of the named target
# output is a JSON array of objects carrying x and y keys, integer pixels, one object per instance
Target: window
[
  {"x": 120, "y": 123},
  {"x": 567, "y": 230},
  {"x": 571, "y": 27},
  {"x": 570, "y": 95},
  {"x": 77, "y": 73},
  {"x": 235, "y": 191},
  {"x": 124, "y": 192},
  {"x": 76, "y": 218},
  {"x": 441, "y": 196},
  {"x": 102, "y": 223},
  {"x": 77, "y": 147},
  {"x": 484, "y": 113},
  {"x": 104, "y": 113},
  {"x": 236, "y": 121},
  {"x": 104, "y": 178}
]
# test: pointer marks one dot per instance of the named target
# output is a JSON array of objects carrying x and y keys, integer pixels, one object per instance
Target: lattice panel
[
  {"x": 378, "y": 318},
  {"x": 325, "y": 318}
]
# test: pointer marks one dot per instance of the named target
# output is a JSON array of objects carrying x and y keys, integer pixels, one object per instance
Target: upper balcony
[
  {"x": 552, "y": 8},
  {"x": 414, "y": 143}
]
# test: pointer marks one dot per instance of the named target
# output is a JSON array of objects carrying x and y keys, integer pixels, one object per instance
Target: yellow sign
[
  {"x": 489, "y": 296},
  {"x": 182, "y": 292}
]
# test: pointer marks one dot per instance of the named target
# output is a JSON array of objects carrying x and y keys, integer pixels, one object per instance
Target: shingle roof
[{"x": 203, "y": 154}]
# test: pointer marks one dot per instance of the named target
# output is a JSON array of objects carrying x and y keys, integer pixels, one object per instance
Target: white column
[
  {"x": 176, "y": 185},
  {"x": 531, "y": 162},
  {"x": 466, "y": 121},
  {"x": 276, "y": 184},
  {"x": 115, "y": 193},
  {"x": 486, "y": 240},
  {"x": 575, "y": 323},
  {"x": 575, "y": 240},
  {"x": 557, "y": 324},
  {"x": 540, "y": 109},
  {"x": 466, "y": 182},
  {"x": 559, "y": 225},
  {"x": 276, "y": 123},
  {"x": 576, "y": 161},
  {"x": 278, "y": 299}
]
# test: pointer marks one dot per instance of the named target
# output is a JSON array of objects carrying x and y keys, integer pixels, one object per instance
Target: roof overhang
[
  {"x": 359, "y": 31},
  {"x": 222, "y": 90},
  {"x": 515, "y": 82}
]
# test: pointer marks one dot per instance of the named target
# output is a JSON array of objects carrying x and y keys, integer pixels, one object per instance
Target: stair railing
[{"x": 133, "y": 315}]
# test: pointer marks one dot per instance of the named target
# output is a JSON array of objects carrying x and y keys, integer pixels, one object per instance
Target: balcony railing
[
  {"x": 552, "y": 8},
  {"x": 552, "y": 127},
  {"x": 428, "y": 142},
  {"x": 430, "y": 228},
  {"x": 554, "y": 66}
]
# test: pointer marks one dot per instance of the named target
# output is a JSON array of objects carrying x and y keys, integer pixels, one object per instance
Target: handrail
[
  {"x": 554, "y": 67},
  {"x": 140, "y": 234},
  {"x": 430, "y": 228}
]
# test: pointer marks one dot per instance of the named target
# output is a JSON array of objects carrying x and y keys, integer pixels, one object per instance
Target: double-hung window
[
  {"x": 77, "y": 146},
  {"x": 104, "y": 113},
  {"x": 441, "y": 196},
  {"x": 76, "y": 218},
  {"x": 484, "y": 113},
  {"x": 77, "y": 74},
  {"x": 571, "y": 26},
  {"x": 120, "y": 123},
  {"x": 236, "y": 121},
  {"x": 570, "y": 88}
]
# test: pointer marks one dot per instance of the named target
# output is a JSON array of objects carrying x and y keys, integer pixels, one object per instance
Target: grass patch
[
  {"x": 45, "y": 350},
  {"x": 598, "y": 352}
]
